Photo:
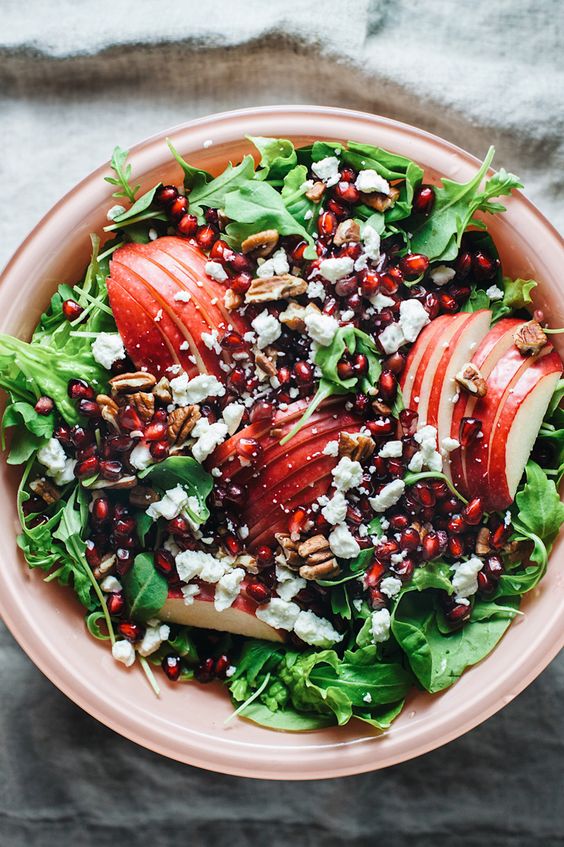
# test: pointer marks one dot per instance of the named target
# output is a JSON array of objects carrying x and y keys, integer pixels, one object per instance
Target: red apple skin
[{"x": 416, "y": 353}]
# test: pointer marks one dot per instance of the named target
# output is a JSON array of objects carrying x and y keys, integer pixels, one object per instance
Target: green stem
[
  {"x": 249, "y": 700},
  {"x": 557, "y": 331},
  {"x": 323, "y": 392},
  {"x": 412, "y": 478},
  {"x": 150, "y": 675},
  {"x": 110, "y": 250},
  {"x": 143, "y": 216}
]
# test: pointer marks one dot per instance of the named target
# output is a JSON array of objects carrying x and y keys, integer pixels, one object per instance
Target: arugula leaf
[
  {"x": 517, "y": 292},
  {"x": 194, "y": 178},
  {"x": 278, "y": 156},
  {"x": 139, "y": 211},
  {"x": 24, "y": 414},
  {"x": 122, "y": 177},
  {"x": 537, "y": 513},
  {"x": 187, "y": 472},
  {"x": 145, "y": 588},
  {"x": 293, "y": 193},
  {"x": 213, "y": 193}
]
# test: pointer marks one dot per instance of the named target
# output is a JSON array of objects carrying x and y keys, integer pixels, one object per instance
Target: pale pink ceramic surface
[{"x": 187, "y": 722}]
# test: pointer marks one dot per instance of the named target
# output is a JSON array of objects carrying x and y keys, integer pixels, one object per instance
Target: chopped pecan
[
  {"x": 248, "y": 562},
  {"x": 266, "y": 363},
  {"x": 289, "y": 550},
  {"x": 357, "y": 447},
  {"x": 348, "y": 230},
  {"x": 105, "y": 566},
  {"x": 316, "y": 192},
  {"x": 142, "y": 496},
  {"x": 48, "y": 492},
  {"x": 276, "y": 432},
  {"x": 261, "y": 244},
  {"x": 318, "y": 558},
  {"x": 470, "y": 378},
  {"x": 181, "y": 422},
  {"x": 295, "y": 314},
  {"x": 109, "y": 410},
  {"x": 162, "y": 391},
  {"x": 381, "y": 202},
  {"x": 483, "y": 546},
  {"x": 144, "y": 403},
  {"x": 266, "y": 289},
  {"x": 530, "y": 338},
  {"x": 115, "y": 484},
  {"x": 232, "y": 300},
  {"x": 130, "y": 383}
]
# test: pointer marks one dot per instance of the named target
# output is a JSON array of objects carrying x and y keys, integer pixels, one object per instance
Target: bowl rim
[{"x": 234, "y": 762}]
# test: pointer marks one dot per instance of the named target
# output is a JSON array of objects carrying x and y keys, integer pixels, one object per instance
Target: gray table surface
[{"x": 77, "y": 78}]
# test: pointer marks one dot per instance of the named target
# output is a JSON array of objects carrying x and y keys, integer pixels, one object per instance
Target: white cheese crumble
[
  {"x": 233, "y": 415},
  {"x": 381, "y": 625},
  {"x": 209, "y": 436},
  {"x": 110, "y": 585},
  {"x": 227, "y": 589},
  {"x": 153, "y": 638},
  {"x": 186, "y": 391},
  {"x": 140, "y": 457},
  {"x": 170, "y": 506},
  {"x": 391, "y": 450},
  {"x": 388, "y": 496},
  {"x": 321, "y": 328},
  {"x": 189, "y": 592},
  {"x": 267, "y": 328},
  {"x": 442, "y": 274},
  {"x": 331, "y": 448},
  {"x": 277, "y": 265},
  {"x": 192, "y": 563},
  {"x": 391, "y": 338},
  {"x": 336, "y": 268},
  {"x": 390, "y": 586},
  {"x": 367, "y": 697},
  {"x": 289, "y": 584},
  {"x": 342, "y": 542},
  {"x": 380, "y": 301},
  {"x": 211, "y": 341},
  {"x": 315, "y": 630},
  {"x": 427, "y": 456},
  {"x": 182, "y": 296},
  {"x": 115, "y": 212},
  {"x": 369, "y": 181},
  {"x": 316, "y": 290},
  {"x": 279, "y": 614},
  {"x": 335, "y": 511},
  {"x": 53, "y": 457},
  {"x": 347, "y": 474},
  {"x": 465, "y": 578},
  {"x": 449, "y": 444},
  {"x": 123, "y": 652},
  {"x": 494, "y": 292},
  {"x": 215, "y": 271},
  {"x": 108, "y": 348},
  {"x": 371, "y": 241},
  {"x": 413, "y": 318},
  {"x": 327, "y": 170}
]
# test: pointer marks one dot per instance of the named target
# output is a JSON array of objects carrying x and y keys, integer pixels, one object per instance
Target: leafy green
[
  {"x": 187, "y": 472},
  {"x": 537, "y": 513},
  {"x": 478, "y": 300},
  {"x": 122, "y": 177},
  {"x": 145, "y": 588},
  {"x": 213, "y": 193},
  {"x": 517, "y": 292},
  {"x": 293, "y": 193},
  {"x": 434, "y": 574},
  {"x": 194, "y": 178},
  {"x": 140, "y": 211},
  {"x": 278, "y": 156}
]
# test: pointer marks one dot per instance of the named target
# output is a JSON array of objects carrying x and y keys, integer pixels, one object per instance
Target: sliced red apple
[{"x": 416, "y": 353}]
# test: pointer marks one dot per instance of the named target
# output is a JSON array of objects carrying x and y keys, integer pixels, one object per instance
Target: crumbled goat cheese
[
  {"x": 216, "y": 271},
  {"x": 275, "y": 266},
  {"x": 186, "y": 391},
  {"x": 267, "y": 328},
  {"x": 189, "y": 592},
  {"x": 327, "y": 170},
  {"x": 371, "y": 241},
  {"x": 390, "y": 586},
  {"x": 380, "y": 625},
  {"x": 209, "y": 436},
  {"x": 153, "y": 638},
  {"x": 115, "y": 212},
  {"x": 315, "y": 630},
  {"x": 53, "y": 457},
  {"x": 279, "y": 614},
  {"x": 331, "y": 448},
  {"x": 465, "y": 578},
  {"x": 388, "y": 496},
  {"x": 140, "y": 457},
  {"x": 413, "y": 318},
  {"x": 449, "y": 444},
  {"x": 391, "y": 338},
  {"x": 233, "y": 415},
  {"x": 369, "y": 181},
  {"x": 380, "y": 301},
  {"x": 342, "y": 542},
  {"x": 367, "y": 697},
  {"x": 171, "y": 504},
  {"x": 442, "y": 274},
  {"x": 321, "y": 328},
  {"x": 210, "y": 339},
  {"x": 227, "y": 589},
  {"x": 67, "y": 474},
  {"x": 428, "y": 455},
  {"x": 494, "y": 292},
  {"x": 182, "y": 296},
  {"x": 191, "y": 563},
  {"x": 391, "y": 450},
  {"x": 336, "y": 268},
  {"x": 335, "y": 511},
  {"x": 347, "y": 474},
  {"x": 110, "y": 585},
  {"x": 124, "y": 652},
  {"x": 289, "y": 584},
  {"x": 316, "y": 290},
  {"x": 107, "y": 349}
]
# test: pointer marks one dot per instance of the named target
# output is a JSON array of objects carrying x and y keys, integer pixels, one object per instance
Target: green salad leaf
[
  {"x": 122, "y": 170},
  {"x": 213, "y": 193},
  {"x": 537, "y": 513},
  {"x": 194, "y": 178},
  {"x": 278, "y": 157},
  {"x": 187, "y": 472},
  {"x": 145, "y": 588}
]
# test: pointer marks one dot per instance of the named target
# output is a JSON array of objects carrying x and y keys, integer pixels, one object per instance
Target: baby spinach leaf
[
  {"x": 23, "y": 414},
  {"x": 122, "y": 177},
  {"x": 284, "y": 719},
  {"x": 478, "y": 300},
  {"x": 145, "y": 588},
  {"x": 538, "y": 512},
  {"x": 381, "y": 717},
  {"x": 278, "y": 156},
  {"x": 340, "y": 603},
  {"x": 194, "y": 178},
  {"x": 187, "y": 472},
  {"x": 212, "y": 194},
  {"x": 434, "y": 574},
  {"x": 23, "y": 445},
  {"x": 293, "y": 193}
]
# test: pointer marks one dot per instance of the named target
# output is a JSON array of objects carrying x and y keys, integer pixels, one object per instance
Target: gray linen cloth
[{"x": 77, "y": 78}]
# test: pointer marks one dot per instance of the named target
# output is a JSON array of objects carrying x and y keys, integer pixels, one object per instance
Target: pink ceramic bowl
[{"x": 187, "y": 722}]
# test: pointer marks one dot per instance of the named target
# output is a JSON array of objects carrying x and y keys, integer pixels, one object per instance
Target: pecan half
[
  {"x": 318, "y": 558},
  {"x": 109, "y": 410},
  {"x": 130, "y": 383},
  {"x": 181, "y": 422},
  {"x": 470, "y": 378},
  {"x": 48, "y": 492},
  {"x": 316, "y": 192},
  {"x": 483, "y": 547},
  {"x": 381, "y": 202},
  {"x": 162, "y": 391},
  {"x": 266, "y": 289},
  {"x": 289, "y": 550},
  {"x": 144, "y": 403},
  {"x": 115, "y": 484},
  {"x": 261, "y": 244},
  {"x": 357, "y": 447},
  {"x": 295, "y": 314},
  {"x": 232, "y": 300},
  {"x": 105, "y": 566},
  {"x": 142, "y": 496},
  {"x": 266, "y": 363},
  {"x": 346, "y": 231},
  {"x": 530, "y": 338}
]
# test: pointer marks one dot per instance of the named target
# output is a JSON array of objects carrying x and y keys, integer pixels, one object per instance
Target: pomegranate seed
[
  {"x": 423, "y": 199},
  {"x": 485, "y": 584},
  {"x": 72, "y": 310},
  {"x": 179, "y": 527},
  {"x": 396, "y": 468},
  {"x": 235, "y": 494},
  {"x": 449, "y": 506},
  {"x": 101, "y": 509},
  {"x": 370, "y": 284},
  {"x": 377, "y": 599},
  {"x": 389, "y": 283},
  {"x": 165, "y": 195},
  {"x": 431, "y": 546},
  {"x": 338, "y": 209},
  {"x": 457, "y": 613},
  {"x": 160, "y": 416},
  {"x": 381, "y": 427},
  {"x": 395, "y": 363},
  {"x": 187, "y": 225},
  {"x": 499, "y": 536},
  {"x": 124, "y": 560},
  {"x": 483, "y": 267},
  {"x": 220, "y": 250},
  {"x": 469, "y": 430},
  {"x": 89, "y": 409},
  {"x": 232, "y": 544},
  {"x": 463, "y": 264},
  {"x": 164, "y": 563},
  {"x": 327, "y": 224},
  {"x": 44, "y": 406},
  {"x": 345, "y": 370},
  {"x": 446, "y": 302},
  {"x": 432, "y": 305},
  {"x": 205, "y": 672},
  {"x": 262, "y": 411},
  {"x": 115, "y": 603},
  {"x": 494, "y": 567},
  {"x": 237, "y": 380},
  {"x": 93, "y": 556},
  {"x": 241, "y": 283},
  {"x": 159, "y": 450},
  {"x": 264, "y": 556},
  {"x": 81, "y": 438},
  {"x": 387, "y": 549},
  {"x": 239, "y": 263},
  {"x": 63, "y": 434},
  {"x": 129, "y": 419},
  {"x": 212, "y": 217},
  {"x": 124, "y": 526},
  {"x": 347, "y": 192},
  {"x": 347, "y": 286},
  {"x": 248, "y": 448},
  {"x": 425, "y": 494},
  {"x": 455, "y": 546},
  {"x": 408, "y": 421},
  {"x": 457, "y": 525},
  {"x": 374, "y": 574},
  {"x": 172, "y": 666},
  {"x": 360, "y": 364},
  {"x": 111, "y": 469},
  {"x": 232, "y": 341},
  {"x": 78, "y": 389},
  {"x": 130, "y": 630},
  {"x": 387, "y": 386},
  {"x": 88, "y": 467},
  {"x": 414, "y": 264},
  {"x": 461, "y": 293},
  {"x": 473, "y": 512},
  {"x": 330, "y": 306},
  {"x": 361, "y": 404},
  {"x": 178, "y": 207},
  {"x": 409, "y": 539},
  {"x": 120, "y": 443},
  {"x": 297, "y": 521},
  {"x": 297, "y": 254},
  {"x": 206, "y": 235},
  {"x": 303, "y": 372},
  {"x": 258, "y": 591},
  {"x": 404, "y": 569},
  {"x": 221, "y": 666},
  {"x": 399, "y": 522},
  {"x": 155, "y": 432}
]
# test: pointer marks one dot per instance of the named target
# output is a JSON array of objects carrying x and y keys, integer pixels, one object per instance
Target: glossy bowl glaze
[{"x": 187, "y": 722}]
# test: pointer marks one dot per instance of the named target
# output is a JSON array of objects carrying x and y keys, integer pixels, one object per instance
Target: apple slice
[
  {"x": 423, "y": 343},
  {"x": 239, "y": 619}
]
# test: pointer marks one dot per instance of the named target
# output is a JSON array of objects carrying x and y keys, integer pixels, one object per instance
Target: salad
[{"x": 293, "y": 431}]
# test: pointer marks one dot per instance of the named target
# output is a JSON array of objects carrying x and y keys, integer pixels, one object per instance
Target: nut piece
[
  {"x": 470, "y": 378},
  {"x": 381, "y": 408},
  {"x": 530, "y": 338},
  {"x": 346, "y": 231},
  {"x": 381, "y": 202},
  {"x": 109, "y": 410},
  {"x": 144, "y": 403},
  {"x": 232, "y": 300},
  {"x": 357, "y": 447},
  {"x": 247, "y": 562},
  {"x": 48, "y": 492},
  {"x": 105, "y": 566},
  {"x": 289, "y": 550},
  {"x": 316, "y": 192},
  {"x": 181, "y": 422},
  {"x": 319, "y": 560},
  {"x": 483, "y": 547},
  {"x": 295, "y": 314},
  {"x": 142, "y": 496},
  {"x": 266, "y": 289},
  {"x": 132, "y": 382},
  {"x": 162, "y": 391},
  {"x": 265, "y": 363},
  {"x": 117, "y": 484},
  {"x": 261, "y": 244}
]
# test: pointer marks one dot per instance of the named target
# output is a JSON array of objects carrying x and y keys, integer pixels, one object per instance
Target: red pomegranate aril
[
  {"x": 297, "y": 522},
  {"x": 221, "y": 666},
  {"x": 206, "y": 235},
  {"x": 463, "y": 264},
  {"x": 458, "y": 613},
  {"x": 297, "y": 254},
  {"x": 455, "y": 546},
  {"x": 264, "y": 556},
  {"x": 432, "y": 305},
  {"x": 165, "y": 195},
  {"x": 355, "y": 304},
  {"x": 124, "y": 560},
  {"x": 248, "y": 448},
  {"x": 446, "y": 302},
  {"x": 44, "y": 406},
  {"x": 160, "y": 416},
  {"x": 87, "y": 468},
  {"x": 115, "y": 603},
  {"x": 381, "y": 427},
  {"x": 449, "y": 506},
  {"x": 409, "y": 539},
  {"x": 485, "y": 584},
  {"x": 399, "y": 522},
  {"x": 469, "y": 430},
  {"x": 396, "y": 468},
  {"x": 241, "y": 283},
  {"x": 155, "y": 432},
  {"x": 129, "y": 419},
  {"x": 120, "y": 443},
  {"x": 457, "y": 525},
  {"x": 499, "y": 536},
  {"x": 360, "y": 364},
  {"x": 130, "y": 630},
  {"x": 258, "y": 592},
  {"x": 89, "y": 409},
  {"x": 124, "y": 525},
  {"x": 387, "y": 549},
  {"x": 101, "y": 509},
  {"x": 164, "y": 563},
  {"x": 431, "y": 546},
  {"x": 178, "y": 207},
  {"x": 172, "y": 666},
  {"x": 389, "y": 284},
  {"x": 338, "y": 209},
  {"x": 354, "y": 516},
  {"x": 404, "y": 569},
  {"x": 361, "y": 404},
  {"x": 408, "y": 421},
  {"x": 78, "y": 389},
  {"x": 494, "y": 568},
  {"x": 345, "y": 370},
  {"x": 377, "y": 599},
  {"x": 187, "y": 225},
  {"x": 261, "y": 411},
  {"x": 239, "y": 263},
  {"x": 346, "y": 287},
  {"x": 212, "y": 217},
  {"x": 159, "y": 450},
  {"x": 232, "y": 544},
  {"x": 461, "y": 293},
  {"x": 374, "y": 574},
  {"x": 347, "y": 192},
  {"x": 387, "y": 386},
  {"x": 424, "y": 494},
  {"x": 473, "y": 512},
  {"x": 93, "y": 556},
  {"x": 483, "y": 267},
  {"x": 232, "y": 340},
  {"x": 303, "y": 372},
  {"x": 220, "y": 250},
  {"x": 236, "y": 380},
  {"x": 370, "y": 284},
  {"x": 423, "y": 199},
  {"x": 395, "y": 363},
  {"x": 110, "y": 469},
  {"x": 179, "y": 526},
  {"x": 63, "y": 434},
  {"x": 205, "y": 672},
  {"x": 327, "y": 224},
  {"x": 413, "y": 265},
  {"x": 330, "y": 306},
  {"x": 440, "y": 488},
  {"x": 72, "y": 310}
]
